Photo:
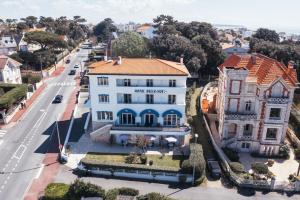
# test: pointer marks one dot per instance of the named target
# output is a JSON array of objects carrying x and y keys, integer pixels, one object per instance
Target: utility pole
[
  {"x": 58, "y": 137},
  {"x": 41, "y": 66}
]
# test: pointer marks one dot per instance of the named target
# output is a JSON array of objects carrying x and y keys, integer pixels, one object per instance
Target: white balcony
[
  {"x": 278, "y": 100},
  {"x": 240, "y": 116}
]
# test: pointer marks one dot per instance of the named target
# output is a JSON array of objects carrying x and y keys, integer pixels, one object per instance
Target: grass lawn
[{"x": 166, "y": 161}]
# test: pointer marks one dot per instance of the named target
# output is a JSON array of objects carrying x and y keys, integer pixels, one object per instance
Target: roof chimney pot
[
  {"x": 181, "y": 60},
  {"x": 253, "y": 58},
  {"x": 119, "y": 61},
  {"x": 291, "y": 64}
]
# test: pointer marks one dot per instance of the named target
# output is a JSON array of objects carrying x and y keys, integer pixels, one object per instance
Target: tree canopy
[
  {"x": 104, "y": 29},
  {"x": 197, "y": 42},
  {"x": 45, "y": 39},
  {"x": 130, "y": 44},
  {"x": 267, "y": 35}
]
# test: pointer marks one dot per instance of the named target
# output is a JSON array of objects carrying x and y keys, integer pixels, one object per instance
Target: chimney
[
  {"x": 181, "y": 60},
  {"x": 253, "y": 59},
  {"x": 119, "y": 61},
  {"x": 290, "y": 67},
  {"x": 291, "y": 64}
]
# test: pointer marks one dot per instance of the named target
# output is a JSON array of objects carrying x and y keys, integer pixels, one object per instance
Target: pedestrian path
[{"x": 58, "y": 84}]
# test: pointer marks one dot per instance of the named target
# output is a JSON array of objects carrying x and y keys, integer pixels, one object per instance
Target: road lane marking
[
  {"x": 20, "y": 152},
  {"x": 40, "y": 171}
]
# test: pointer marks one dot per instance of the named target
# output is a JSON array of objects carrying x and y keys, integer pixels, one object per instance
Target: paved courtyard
[{"x": 281, "y": 168}]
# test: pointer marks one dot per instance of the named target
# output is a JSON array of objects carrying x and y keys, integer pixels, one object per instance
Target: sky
[{"x": 275, "y": 14}]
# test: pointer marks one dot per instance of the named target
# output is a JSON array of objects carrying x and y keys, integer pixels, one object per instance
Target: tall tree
[
  {"x": 267, "y": 35},
  {"x": 104, "y": 29},
  {"x": 130, "y": 44},
  {"x": 45, "y": 40},
  {"x": 46, "y": 22},
  {"x": 30, "y": 21}
]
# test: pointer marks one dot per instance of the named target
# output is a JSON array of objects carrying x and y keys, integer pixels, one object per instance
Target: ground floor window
[
  {"x": 271, "y": 134},
  {"x": 245, "y": 145},
  {"x": 127, "y": 118},
  {"x": 105, "y": 115},
  {"x": 171, "y": 120}
]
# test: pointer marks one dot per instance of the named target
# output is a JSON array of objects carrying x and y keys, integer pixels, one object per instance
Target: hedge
[
  {"x": 30, "y": 79},
  {"x": 237, "y": 167},
  {"x": 196, "y": 157},
  {"x": 13, "y": 94},
  {"x": 113, "y": 193},
  {"x": 153, "y": 196},
  {"x": 56, "y": 191},
  {"x": 260, "y": 168},
  {"x": 80, "y": 189}
]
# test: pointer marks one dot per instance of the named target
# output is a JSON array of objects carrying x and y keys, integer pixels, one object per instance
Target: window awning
[
  {"x": 172, "y": 111},
  {"x": 126, "y": 110},
  {"x": 149, "y": 111}
]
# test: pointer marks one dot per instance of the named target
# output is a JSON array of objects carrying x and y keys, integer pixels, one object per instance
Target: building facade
[
  {"x": 139, "y": 98},
  {"x": 255, "y": 95},
  {"x": 10, "y": 70}
]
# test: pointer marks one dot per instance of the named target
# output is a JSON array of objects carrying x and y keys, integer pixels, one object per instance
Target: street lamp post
[{"x": 194, "y": 165}]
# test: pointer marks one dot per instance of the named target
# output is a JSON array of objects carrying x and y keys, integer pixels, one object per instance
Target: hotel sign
[{"x": 151, "y": 91}]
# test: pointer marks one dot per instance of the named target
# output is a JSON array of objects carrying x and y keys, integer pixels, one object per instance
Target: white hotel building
[
  {"x": 137, "y": 97},
  {"x": 254, "y": 100}
]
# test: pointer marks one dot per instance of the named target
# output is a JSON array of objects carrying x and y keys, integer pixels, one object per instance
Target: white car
[{"x": 76, "y": 66}]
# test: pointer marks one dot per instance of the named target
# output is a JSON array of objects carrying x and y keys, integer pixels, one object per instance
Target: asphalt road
[{"x": 25, "y": 144}]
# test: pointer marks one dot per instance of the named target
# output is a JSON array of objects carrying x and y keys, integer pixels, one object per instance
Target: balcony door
[
  {"x": 127, "y": 119},
  {"x": 149, "y": 119}
]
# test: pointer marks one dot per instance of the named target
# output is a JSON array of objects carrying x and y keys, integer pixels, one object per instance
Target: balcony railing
[
  {"x": 240, "y": 116},
  {"x": 278, "y": 100},
  {"x": 144, "y": 102},
  {"x": 246, "y": 137},
  {"x": 144, "y": 85},
  {"x": 158, "y": 127}
]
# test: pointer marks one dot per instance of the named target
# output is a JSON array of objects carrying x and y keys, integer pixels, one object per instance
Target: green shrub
[
  {"x": 284, "y": 151},
  {"x": 260, "y": 168},
  {"x": 143, "y": 159},
  {"x": 80, "y": 189},
  {"x": 111, "y": 194},
  {"x": 30, "y": 79},
  {"x": 1, "y": 92},
  {"x": 196, "y": 157},
  {"x": 132, "y": 158},
  {"x": 128, "y": 191},
  {"x": 13, "y": 93},
  {"x": 237, "y": 167},
  {"x": 231, "y": 154},
  {"x": 297, "y": 153},
  {"x": 154, "y": 196},
  {"x": 56, "y": 191}
]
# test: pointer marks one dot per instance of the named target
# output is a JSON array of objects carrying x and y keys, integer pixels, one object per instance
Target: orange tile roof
[
  {"x": 4, "y": 59},
  {"x": 139, "y": 66},
  {"x": 265, "y": 69}
]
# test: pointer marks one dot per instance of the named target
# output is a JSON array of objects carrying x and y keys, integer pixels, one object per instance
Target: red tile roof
[
  {"x": 4, "y": 59},
  {"x": 139, "y": 66},
  {"x": 265, "y": 69}
]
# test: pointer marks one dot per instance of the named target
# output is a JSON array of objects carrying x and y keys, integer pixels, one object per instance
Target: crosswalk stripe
[{"x": 63, "y": 84}]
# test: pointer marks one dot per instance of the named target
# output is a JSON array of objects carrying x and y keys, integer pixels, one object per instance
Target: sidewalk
[
  {"x": 51, "y": 166},
  {"x": 28, "y": 103}
]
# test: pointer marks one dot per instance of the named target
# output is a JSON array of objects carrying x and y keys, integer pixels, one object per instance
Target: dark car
[
  {"x": 77, "y": 50},
  {"x": 58, "y": 99},
  {"x": 214, "y": 168},
  {"x": 72, "y": 72},
  {"x": 68, "y": 61}
]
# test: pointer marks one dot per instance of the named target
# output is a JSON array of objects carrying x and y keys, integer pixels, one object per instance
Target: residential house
[
  {"x": 9, "y": 70},
  {"x": 146, "y": 30},
  {"x": 254, "y": 100},
  {"x": 8, "y": 45},
  {"x": 137, "y": 97}
]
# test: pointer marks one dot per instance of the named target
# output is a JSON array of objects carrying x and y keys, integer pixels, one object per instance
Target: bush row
[
  {"x": 13, "y": 93},
  {"x": 30, "y": 79},
  {"x": 78, "y": 189},
  {"x": 231, "y": 154},
  {"x": 196, "y": 158}
]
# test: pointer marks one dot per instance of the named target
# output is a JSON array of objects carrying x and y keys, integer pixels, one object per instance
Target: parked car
[
  {"x": 68, "y": 61},
  {"x": 214, "y": 168},
  {"x": 58, "y": 99},
  {"x": 76, "y": 66},
  {"x": 72, "y": 72}
]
